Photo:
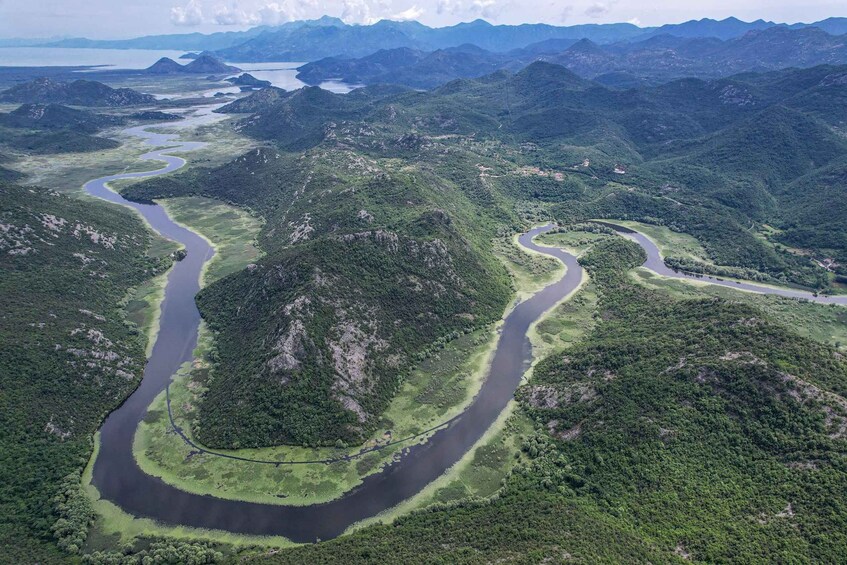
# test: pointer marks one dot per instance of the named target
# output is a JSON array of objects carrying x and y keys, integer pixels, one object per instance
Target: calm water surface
[{"x": 119, "y": 479}]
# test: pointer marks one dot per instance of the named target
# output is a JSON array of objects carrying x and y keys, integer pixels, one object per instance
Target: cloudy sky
[{"x": 130, "y": 18}]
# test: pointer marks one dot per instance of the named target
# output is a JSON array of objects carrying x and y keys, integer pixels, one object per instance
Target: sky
[{"x": 103, "y": 19}]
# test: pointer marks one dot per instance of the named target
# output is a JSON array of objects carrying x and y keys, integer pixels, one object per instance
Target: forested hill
[
  {"x": 678, "y": 430},
  {"x": 385, "y": 193},
  {"x": 75, "y": 93},
  {"x": 67, "y": 357},
  {"x": 368, "y": 265}
]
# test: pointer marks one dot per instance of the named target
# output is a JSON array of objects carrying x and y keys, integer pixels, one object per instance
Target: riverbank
[{"x": 438, "y": 390}]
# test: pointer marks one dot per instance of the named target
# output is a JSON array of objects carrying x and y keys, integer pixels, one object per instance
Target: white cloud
[
  {"x": 600, "y": 9},
  {"x": 190, "y": 15},
  {"x": 276, "y": 13},
  {"x": 413, "y": 13},
  {"x": 635, "y": 22},
  {"x": 564, "y": 13},
  {"x": 233, "y": 15},
  {"x": 237, "y": 14},
  {"x": 446, "y": 7},
  {"x": 487, "y": 9},
  {"x": 363, "y": 11}
]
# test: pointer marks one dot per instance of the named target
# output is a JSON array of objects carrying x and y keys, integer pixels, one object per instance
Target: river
[
  {"x": 119, "y": 479},
  {"x": 656, "y": 263}
]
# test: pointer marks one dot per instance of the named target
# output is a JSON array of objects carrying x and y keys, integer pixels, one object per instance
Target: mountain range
[
  {"x": 699, "y": 154},
  {"x": 624, "y": 64},
  {"x": 329, "y": 37}
]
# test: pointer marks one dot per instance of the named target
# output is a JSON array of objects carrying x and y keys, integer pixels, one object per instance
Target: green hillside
[
  {"x": 67, "y": 354},
  {"x": 351, "y": 184},
  {"x": 678, "y": 429}
]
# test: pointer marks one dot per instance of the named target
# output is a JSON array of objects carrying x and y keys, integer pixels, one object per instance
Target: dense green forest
[
  {"x": 67, "y": 356},
  {"x": 368, "y": 265},
  {"x": 678, "y": 429},
  {"x": 348, "y": 183}
]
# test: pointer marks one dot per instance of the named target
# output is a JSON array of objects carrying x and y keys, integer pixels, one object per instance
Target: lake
[{"x": 282, "y": 74}]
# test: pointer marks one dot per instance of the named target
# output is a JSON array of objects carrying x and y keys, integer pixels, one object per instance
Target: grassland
[
  {"x": 115, "y": 528},
  {"x": 69, "y": 171},
  {"x": 439, "y": 388},
  {"x": 529, "y": 270},
  {"x": 223, "y": 142},
  {"x": 670, "y": 242},
  {"x": 142, "y": 303},
  {"x": 820, "y": 322},
  {"x": 231, "y": 231}
]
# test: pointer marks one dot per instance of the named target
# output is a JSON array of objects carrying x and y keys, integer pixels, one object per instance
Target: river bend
[{"x": 119, "y": 479}]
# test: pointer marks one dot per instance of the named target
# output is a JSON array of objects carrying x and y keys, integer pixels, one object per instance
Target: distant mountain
[
  {"x": 409, "y": 67},
  {"x": 247, "y": 79},
  {"x": 24, "y": 42},
  {"x": 329, "y": 37},
  {"x": 76, "y": 93},
  {"x": 177, "y": 42},
  {"x": 56, "y": 116},
  {"x": 661, "y": 58},
  {"x": 544, "y": 47},
  {"x": 256, "y": 102},
  {"x": 155, "y": 115},
  {"x": 54, "y": 128},
  {"x": 204, "y": 64},
  {"x": 833, "y": 26},
  {"x": 653, "y": 60},
  {"x": 311, "y": 40},
  {"x": 721, "y": 29},
  {"x": 165, "y": 66},
  {"x": 732, "y": 28}
]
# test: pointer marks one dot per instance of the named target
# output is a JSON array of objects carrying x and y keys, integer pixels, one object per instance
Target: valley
[{"x": 478, "y": 293}]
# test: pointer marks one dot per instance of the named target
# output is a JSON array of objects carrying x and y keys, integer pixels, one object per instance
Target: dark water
[{"x": 119, "y": 479}]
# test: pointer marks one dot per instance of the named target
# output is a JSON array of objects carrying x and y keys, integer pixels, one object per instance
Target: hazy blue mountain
[
  {"x": 249, "y": 80},
  {"x": 721, "y": 29},
  {"x": 665, "y": 57},
  {"x": 653, "y": 60},
  {"x": 310, "y": 40},
  {"x": 165, "y": 66},
  {"x": 76, "y": 93},
  {"x": 204, "y": 64},
  {"x": 409, "y": 67},
  {"x": 835, "y": 26},
  {"x": 56, "y": 116},
  {"x": 543, "y": 47},
  {"x": 180, "y": 41},
  {"x": 329, "y": 38}
]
